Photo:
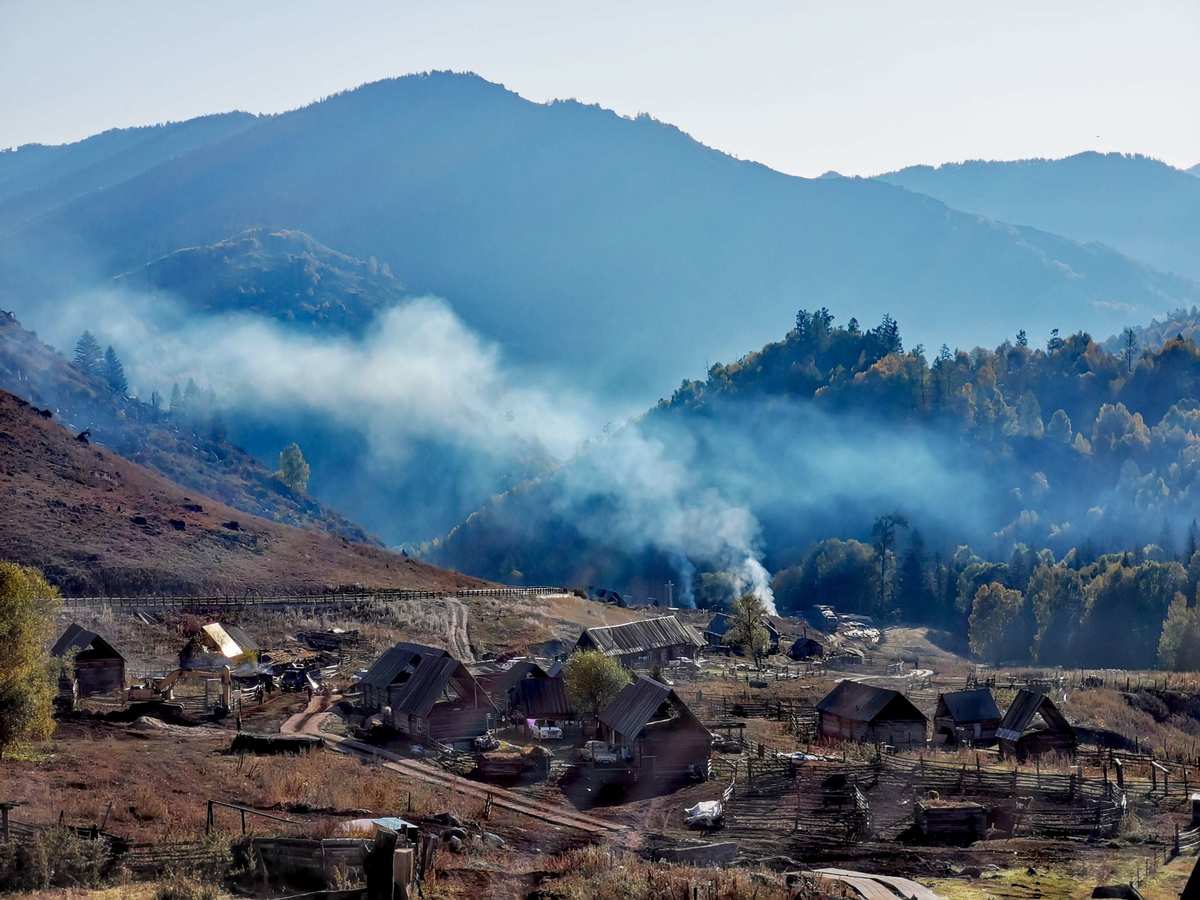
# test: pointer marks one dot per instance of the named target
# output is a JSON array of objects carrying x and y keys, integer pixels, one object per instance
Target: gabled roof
[
  {"x": 430, "y": 670},
  {"x": 640, "y": 636},
  {"x": 542, "y": 698},
  {"x": 77, "y": 638},
  {"x": 498, "y": 682},
  {"x": 230, "y": 640},
  {"x": 976, "y": 705},
  {"x": 1022, "y": 710},
  {"x": 864, "y": 703},
  {"x": 722, "y": 622},
  {"x": 632, "y": 709}
]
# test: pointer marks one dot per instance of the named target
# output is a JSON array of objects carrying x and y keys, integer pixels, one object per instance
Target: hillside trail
[{"x": 309, "y": 721}]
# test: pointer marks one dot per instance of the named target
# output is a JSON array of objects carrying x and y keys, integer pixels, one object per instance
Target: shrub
[{"x": 56, "y": 857}]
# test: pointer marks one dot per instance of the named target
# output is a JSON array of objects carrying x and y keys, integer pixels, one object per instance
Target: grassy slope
[{"x": 98, "y": 523}]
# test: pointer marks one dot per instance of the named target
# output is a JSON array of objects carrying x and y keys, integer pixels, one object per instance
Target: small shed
[
  {"x": 644, "y": 643},
  {"x": 863, "y": 712},
  {"x": 950, "y": 821},
  {"x": 966, "y": 717},
  {"x": 99, "y": 666},
  {"x": 217, "y": 645},
  {"x": 425, "y": 692},
  {"x": 804, "y": 648},
  {"x": 720, "y": 624},
  {"x": 1022, "y": 735},
  {"x": 499, "y": 681},
  {"x": 651, "y": 722}
]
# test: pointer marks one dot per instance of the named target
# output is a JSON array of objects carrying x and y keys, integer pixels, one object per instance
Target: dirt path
[{"x": 309, "y": 721}]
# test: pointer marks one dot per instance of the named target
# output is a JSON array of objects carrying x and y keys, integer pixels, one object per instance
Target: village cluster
[{"x": 825, "y": 763}]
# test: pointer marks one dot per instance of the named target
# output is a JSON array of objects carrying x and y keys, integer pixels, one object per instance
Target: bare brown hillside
[
  {"x": 99, "y": 524},
  {"x": 185, "y": 451}
]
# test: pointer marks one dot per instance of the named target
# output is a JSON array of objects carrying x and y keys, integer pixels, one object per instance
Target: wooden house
[
  {"x": 966, "y": 717},
  {"x": 806, "y": 648},
  {"x": 541, "y": 700},
  {"x": 99, "y": 667},
  {"x": 656, "y": 731},
  {"x": 645, "y": 643},
  {"x": 718, "y": 628},
  {"x": 863, "y": 712},
  {"x": 1033, "y": 725},
  {"x": 499, "y": 679},
  {"x": 424, "y": 692}
]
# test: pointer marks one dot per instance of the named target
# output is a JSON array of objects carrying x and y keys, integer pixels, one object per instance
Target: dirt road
[{"x": 309, "y": 720}]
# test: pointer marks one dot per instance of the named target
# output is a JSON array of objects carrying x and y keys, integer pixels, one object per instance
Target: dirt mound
[{"x": 96, "y": 523}]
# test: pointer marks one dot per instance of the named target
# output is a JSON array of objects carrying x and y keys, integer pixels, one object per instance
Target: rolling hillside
[
  {"x": 1140, "y": 206},
  {"x": 182, "y": 449},
  {"x": 619, "y": 252},
  {"x": 98, "y": 524}
]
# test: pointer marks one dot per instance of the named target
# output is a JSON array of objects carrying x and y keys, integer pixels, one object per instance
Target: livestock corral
[{"x": 429, "y": 742}]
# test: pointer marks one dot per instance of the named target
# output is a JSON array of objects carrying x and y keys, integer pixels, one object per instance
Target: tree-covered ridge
[{"x": 1028, "y": 498}]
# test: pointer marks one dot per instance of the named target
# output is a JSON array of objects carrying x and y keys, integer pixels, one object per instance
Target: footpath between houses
[{"x": 309, "y": 720}]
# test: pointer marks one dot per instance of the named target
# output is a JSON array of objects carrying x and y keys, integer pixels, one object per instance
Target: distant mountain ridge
[
  {"x": 619, "y": 252},
  {"x": 1136, "y": 204}
]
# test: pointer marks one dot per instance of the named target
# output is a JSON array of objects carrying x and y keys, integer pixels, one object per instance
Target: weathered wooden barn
[
  {"x": 99, "y": 666},
  {"x": 658, "y": 731},
  {"x": 499, "y": 680},
  {"x": 1033, "y": 725},
  {"x": 719, "y": 625},
  {"x": 804, "y": 648},
  {"x": 425, "y": 692},
  {"x": 966, "y": 717},
  {"x": 645, "y": 643},
  {"x": 863, "y": 712},
  {"x": 217, "y": 645}
]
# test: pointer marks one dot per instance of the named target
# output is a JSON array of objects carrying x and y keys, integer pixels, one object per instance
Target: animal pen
[{"x": 821, "y": 805}]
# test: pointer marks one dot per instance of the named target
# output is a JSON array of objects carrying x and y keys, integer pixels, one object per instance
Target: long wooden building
[{"x": 644, "y": 643}]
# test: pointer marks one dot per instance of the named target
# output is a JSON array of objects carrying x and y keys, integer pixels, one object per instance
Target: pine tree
[
  {"x": 176, "y": 398},
  {"x": 293, "y": 470},
  {"x": 114, "y": 373},
  {"x": 89, "y": 358}
]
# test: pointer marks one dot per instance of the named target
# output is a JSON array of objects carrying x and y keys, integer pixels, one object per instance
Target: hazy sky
[{"x": 860, "y": 87}]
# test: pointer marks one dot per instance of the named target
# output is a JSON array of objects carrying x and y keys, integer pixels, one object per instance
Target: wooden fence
[{"x": 163, "y": 604}]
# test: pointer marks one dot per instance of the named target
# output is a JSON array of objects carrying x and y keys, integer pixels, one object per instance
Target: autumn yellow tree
[{"x": 28, "y": 604}]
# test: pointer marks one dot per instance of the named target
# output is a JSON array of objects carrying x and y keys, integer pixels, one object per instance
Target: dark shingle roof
[
  {"x": 432, "y": 670},
  {"x": 630, "y": 711},
  {"x": 976, "y": 705},
  {"x": 863, "y": 702},
  {"x": 79, "y": 638},
  {"x": 1022, "y": 710},
  {"x": 641, "y": 636},
  {"x": 542, "y": 698}
]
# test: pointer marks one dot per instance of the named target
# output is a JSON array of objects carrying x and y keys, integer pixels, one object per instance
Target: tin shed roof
[
  {"x": 77, "y": 638},
  {"x": 1022, "y": 710},
  {"x": 640, "y": 637}
]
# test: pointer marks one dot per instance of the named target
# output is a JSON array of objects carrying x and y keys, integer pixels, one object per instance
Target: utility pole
[{"x": 670, "y": 594}]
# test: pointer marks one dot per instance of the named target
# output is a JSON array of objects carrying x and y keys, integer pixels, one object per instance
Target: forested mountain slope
[
  {"x": 1140, "y": 206},
  {"x": 1065, "y": 448},
  {"x": 36, "y": 178},
  {"x": 618, "y": 251}
]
